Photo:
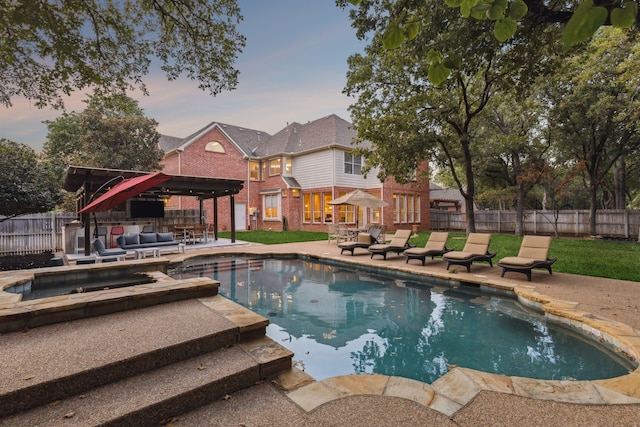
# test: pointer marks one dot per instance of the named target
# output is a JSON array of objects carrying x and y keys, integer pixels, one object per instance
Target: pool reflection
[{"x": 341, "y": 320}]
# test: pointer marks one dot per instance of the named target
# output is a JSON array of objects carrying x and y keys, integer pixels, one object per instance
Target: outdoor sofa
[{"x": 146, "y": 240}]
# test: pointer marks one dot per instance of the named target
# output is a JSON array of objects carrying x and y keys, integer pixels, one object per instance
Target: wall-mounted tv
[{"x": 147, "y": 209}]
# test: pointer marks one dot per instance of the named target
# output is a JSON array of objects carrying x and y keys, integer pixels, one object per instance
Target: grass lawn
[{"x": 597, "y": 258}]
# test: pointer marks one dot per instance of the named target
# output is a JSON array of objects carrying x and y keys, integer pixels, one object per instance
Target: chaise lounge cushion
[
  {"x": 398, "y": 243},
  {"x": 364, "y": 240},
  {"x": 475, "y": 249},
  {"x": 534, "y": 253},
  {"x": 435, "y": 246}
]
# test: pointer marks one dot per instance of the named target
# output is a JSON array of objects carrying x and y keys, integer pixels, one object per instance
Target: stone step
[
  {"x": 37, "y": 367},
  {"x": 154, "y": 397}
]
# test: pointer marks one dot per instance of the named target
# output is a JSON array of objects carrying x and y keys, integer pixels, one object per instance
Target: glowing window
[{"x": 214, "y": 147}]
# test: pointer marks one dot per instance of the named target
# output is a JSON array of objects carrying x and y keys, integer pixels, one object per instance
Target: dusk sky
[{"x": 293, "y": 69}]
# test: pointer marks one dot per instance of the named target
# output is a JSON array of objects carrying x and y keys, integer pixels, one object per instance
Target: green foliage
[
  {"x": 49, "y": 48},
  {"x": 26, "y": 184},
  {"x": 275, "y": 237},
  {"x": 111, "y": 133}
]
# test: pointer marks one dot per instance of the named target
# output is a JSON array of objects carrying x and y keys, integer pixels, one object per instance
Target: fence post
[
  {"x": 53, "y": 233},
  {"x": 626, "y": 224},
  {"x": 499, "y": 221}
]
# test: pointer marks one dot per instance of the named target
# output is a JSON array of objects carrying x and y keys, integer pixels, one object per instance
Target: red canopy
[{"x": 125, "y": 190}]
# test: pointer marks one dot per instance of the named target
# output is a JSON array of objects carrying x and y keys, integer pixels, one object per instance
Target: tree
[
  {"x": 406, "y": 117},
  {"x": 580, "y": 21},
  {"x": 515, "y": 151},
  {"x": 596, "y": 110},
  {"x": 109, "y": 45},
  {"x": 26, "y": 184},
  {"x": 111, "y": 132}
]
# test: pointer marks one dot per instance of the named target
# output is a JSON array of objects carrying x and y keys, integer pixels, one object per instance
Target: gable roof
[
  {"x": 246, "y": 140},
  {"x": 296, "y": 138}
]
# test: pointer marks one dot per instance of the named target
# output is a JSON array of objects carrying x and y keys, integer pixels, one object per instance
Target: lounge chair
[
  {"x": 533, "y": 253},
  {"x": 435, "y": 247},
  {"x": 399, "y": 243},
  {"x": 364, "y": 241},
  {"x": 476, "y": 249},
  {"x": 105, "y": 254}
]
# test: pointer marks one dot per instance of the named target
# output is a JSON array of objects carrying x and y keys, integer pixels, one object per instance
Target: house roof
[
  {"x": 247, "y": 140},
  {"x": 296, "y": 138},
  {"x": 443, "y": 194},
  {"x": 291, "y": 182}
]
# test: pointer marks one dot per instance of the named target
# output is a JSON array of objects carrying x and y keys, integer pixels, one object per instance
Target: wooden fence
[
  {"x": 45, "y": 232},
  {"x": 609, "y": 223}
]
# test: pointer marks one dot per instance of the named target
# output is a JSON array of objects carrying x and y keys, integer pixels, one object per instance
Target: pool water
[{"x": 341, "y": 320}]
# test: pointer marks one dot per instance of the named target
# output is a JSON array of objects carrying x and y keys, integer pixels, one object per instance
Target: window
[
  {"x": 288, "y": 166},
  {"x": 271, "y": 203},
  {"x": 274, "y": 167},
  {"x": 264, "y": 171},
  {"x": 306, "y": 209},
  {"x": 406, "y": 208},
  {"x": 346, "y": 213},
  {"x": 214, "y": 147},
  {"x": 316, "y": 208},
  {"x": 374, "y": 215},
  {"x": 254, "y": 170},
  {"x": 352, "y": 164}
]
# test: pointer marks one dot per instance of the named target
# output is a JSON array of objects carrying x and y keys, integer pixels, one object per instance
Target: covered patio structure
[{"x": 89, "y": 183}]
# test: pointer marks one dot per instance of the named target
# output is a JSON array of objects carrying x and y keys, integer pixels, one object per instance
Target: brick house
[{"x": 291, "y": 177}]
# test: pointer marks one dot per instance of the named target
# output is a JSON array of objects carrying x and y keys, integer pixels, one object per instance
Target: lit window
[
  {"x": 271, "y": 203},
  {"x": 288, "y": 166},
  {"x": 406, "y": 208},
  {"x": 352, "y": 164},
  {"x": 214, "y": 147},
  {"x": 254, "y": 171},
  {"x": 274, "y": 167},
  {"x": 306, "y": 209}
]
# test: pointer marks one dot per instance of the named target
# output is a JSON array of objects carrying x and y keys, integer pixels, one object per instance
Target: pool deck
[{"x": 463, "y": 397}]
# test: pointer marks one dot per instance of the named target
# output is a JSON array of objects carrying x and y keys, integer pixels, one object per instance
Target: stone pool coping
[{"x": 459, "y": 386}]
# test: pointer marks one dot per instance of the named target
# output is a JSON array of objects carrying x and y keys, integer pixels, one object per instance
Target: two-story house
[{"x": 291, "y": 177}]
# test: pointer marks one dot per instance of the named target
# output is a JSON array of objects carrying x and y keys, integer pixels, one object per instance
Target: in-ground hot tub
[{"x": 114, "y": 294}]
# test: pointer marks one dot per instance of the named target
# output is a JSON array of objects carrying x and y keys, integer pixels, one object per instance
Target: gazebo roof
[{"x": 80, "y": 178}]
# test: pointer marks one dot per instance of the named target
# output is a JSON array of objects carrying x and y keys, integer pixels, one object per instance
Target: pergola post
[
  {"x": 215, "y": 219},
  {"x": 232, "y": 211}
]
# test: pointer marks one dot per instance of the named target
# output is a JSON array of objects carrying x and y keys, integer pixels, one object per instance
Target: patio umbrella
[
  {"x": 125, "y": 190},
  {"x": 359, "y": 198}
]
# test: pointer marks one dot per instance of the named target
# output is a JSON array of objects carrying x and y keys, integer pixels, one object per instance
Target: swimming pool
[{"x": 339, "y": 319}]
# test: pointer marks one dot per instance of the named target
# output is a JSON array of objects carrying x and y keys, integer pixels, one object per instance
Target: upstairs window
[
  {"x": 254, "y": 171},
  {"x": 352, "y": 164},
  {"x": 274, "y": 167},
  {"x": 214, "y": 147}
]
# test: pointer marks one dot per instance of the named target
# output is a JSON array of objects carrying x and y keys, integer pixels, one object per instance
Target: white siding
[
  {"x": 326, "y": 169},
  {"x": 351, "y": 180},
  {"x": 314, "y": 170}
]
